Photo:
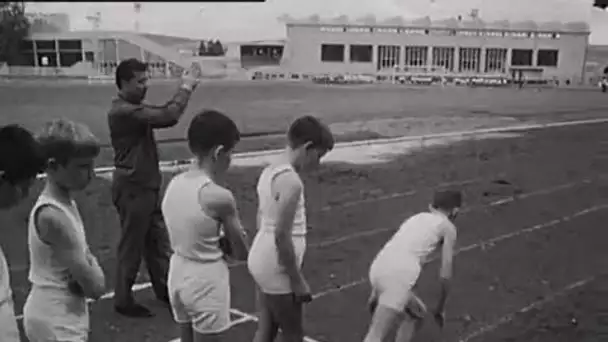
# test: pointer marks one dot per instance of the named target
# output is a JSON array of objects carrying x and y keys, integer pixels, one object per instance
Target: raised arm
[
  {"x": 168, "y": 114},
  {"x": 164, "y": 116},
  {"x": 53, "y": 227}
]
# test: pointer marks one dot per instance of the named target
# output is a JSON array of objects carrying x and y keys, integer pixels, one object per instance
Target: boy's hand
[
  {"x": 302, "y": 292},
  {"x": 75, "y": 288},
  {"x": 372, "y": 304},
  {"x": 225, "y": 246},
  {"x": 439, "y": 317}
]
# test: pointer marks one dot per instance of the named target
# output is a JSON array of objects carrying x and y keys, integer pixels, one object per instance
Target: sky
[{"x": 255, "y": 21}]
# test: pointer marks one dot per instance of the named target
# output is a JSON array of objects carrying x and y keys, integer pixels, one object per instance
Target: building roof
[
  {"x": 450, "y": 23},
  {"x": 163, "y": 40}
]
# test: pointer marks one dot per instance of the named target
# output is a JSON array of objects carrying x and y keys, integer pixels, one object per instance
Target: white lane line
[
  {"x": 176, "y": 165},
  {"x": 499, "y": 202},
  {"x": 488, "y": 328},
  {"x": 250, "y": 318},
  {"x": 479, "y": 245}
]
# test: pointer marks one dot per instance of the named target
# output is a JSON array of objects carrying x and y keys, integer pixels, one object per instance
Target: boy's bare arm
[
  {"x": 446, "y": 269},
  {"x": 53, "y": 228},
  {"x": 289, "y": 189},
  {"x": 222, "y": 205}
]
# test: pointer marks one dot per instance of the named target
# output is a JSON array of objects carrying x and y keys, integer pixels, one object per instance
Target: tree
[
  {"x": 14, "y": 29},
  {"x": 603, "y": 4}
]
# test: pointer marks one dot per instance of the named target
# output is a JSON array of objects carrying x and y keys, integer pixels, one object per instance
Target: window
[
  {"x": 332, "y": 29},
  {"x": 73, "y": 44},
  {"x": 361, "y": 53},
  {"x": 68, "y": 59},
  {"x": 443, "y": 57},
  {"x": 387, "y": 30},
  {"x": 332, "y": 53},
  {"x": 89, "y": 56},
  {"x": 496, "y": 60},
  {"x": 547, "y": 58},
  {"x": 521, "y": 57},
  {"x": 416, "y": 55},
  {"x": 469, "y": 60},
  {"x": 45, "y": 45},
  {"x": 388, "y": 56},
  {"x": 359, "y": 29}
]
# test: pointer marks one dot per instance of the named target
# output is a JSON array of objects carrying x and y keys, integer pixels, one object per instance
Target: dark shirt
[{"x": 132, "y": 136}]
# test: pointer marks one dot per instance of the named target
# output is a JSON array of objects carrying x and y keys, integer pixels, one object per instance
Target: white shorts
[
  {"x": 53, "y": 314},
  {"x": 392, "y": 284},
  {"x": 200, "y": 294},
  {"x": 8, "y": 323},
  {"x": 264, "y": 266}
]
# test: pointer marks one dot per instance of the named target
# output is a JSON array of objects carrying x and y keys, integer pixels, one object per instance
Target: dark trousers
[{"x": 143, "y": 235}]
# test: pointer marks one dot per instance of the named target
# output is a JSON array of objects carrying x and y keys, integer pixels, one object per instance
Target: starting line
[{"x": 245, "y": 318}]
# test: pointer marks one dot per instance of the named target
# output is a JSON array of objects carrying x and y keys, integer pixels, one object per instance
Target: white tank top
[
  {"x": 417, "y": 238},
  {"x": 45, "y": 268},
  {"x": 267, "y": 206},
  {"x": 194, "y": 235}
]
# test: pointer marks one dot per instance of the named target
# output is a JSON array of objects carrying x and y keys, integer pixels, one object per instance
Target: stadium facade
[
  {"x": 527, "y": 49},
  {"x": 315, "y": 46}
]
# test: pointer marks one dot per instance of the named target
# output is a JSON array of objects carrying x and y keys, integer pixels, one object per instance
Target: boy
[
  {"x": 20, "y": 162},
  {"x": 197, "y": 211},
  {"x": 275, "y": 260},
  {"x": 63, "y": 272},
  {"x": 395, "y": 270}
]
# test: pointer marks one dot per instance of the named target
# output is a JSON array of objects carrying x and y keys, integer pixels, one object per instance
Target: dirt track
[{"x": 353, "y": 209}]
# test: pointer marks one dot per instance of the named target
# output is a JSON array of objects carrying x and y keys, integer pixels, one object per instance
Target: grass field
[
  {"x": 356, "y": 112},
  {"x": 531, "y": 256}
]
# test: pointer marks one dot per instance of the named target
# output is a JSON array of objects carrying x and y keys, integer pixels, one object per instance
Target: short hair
[
  {"x": 210, "y": 128},
  {"x": 447, "y": 199},
  {"x": 126, "y": 70},
  {"x": 21, "y": 157},
  {"x": 64, "y": 140},
  {"x": 310, "y": 129}
]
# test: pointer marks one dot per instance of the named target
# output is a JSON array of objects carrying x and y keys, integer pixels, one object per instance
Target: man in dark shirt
[{"x": 137, "y": 179}]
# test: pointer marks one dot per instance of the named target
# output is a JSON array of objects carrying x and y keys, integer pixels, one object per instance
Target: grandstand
[
  {"x": 456, "y": 47},
  {"x": 385, "y": 49}
]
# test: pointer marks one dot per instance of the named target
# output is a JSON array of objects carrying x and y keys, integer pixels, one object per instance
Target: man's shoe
[{"x": 134, "y": 310}]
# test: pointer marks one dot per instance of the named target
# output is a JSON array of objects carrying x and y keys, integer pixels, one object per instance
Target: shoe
[{"x": 134, "y": 310}]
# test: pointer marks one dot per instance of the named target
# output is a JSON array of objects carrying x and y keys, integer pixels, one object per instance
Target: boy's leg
[
  {"x": 186, "y": 333},
  {"x": 413, "y": 319},
  {"x": 383, "y": 323},
  {"x": 267, "y": 327},
  {"x": 287, "y": 313},
  {"x": 9, "y": 331},
  {"x": 392, "y": 304}
]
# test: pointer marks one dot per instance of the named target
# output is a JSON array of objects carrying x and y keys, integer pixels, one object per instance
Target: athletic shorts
[
  {"x": 392, "y": 285},
  {"x": 55, "y": 315},
  {"x": 8, "y": 323},
  {"x": 200, "y": 294},
  {"x": 264, "y": 266}
]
